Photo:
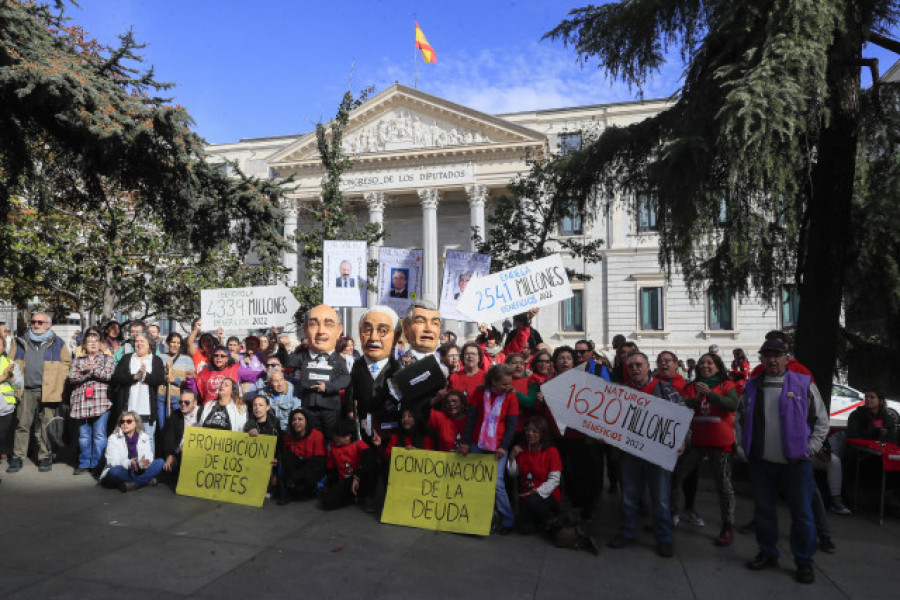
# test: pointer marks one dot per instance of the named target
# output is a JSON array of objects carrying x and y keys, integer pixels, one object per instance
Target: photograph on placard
[
  {"x": 344, "y": 273},
  {"x": 460, "y": 268},
  {"x": 399, "y": 277}
]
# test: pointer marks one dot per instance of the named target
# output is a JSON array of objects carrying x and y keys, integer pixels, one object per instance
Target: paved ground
[{"x": 64, "y": 537}]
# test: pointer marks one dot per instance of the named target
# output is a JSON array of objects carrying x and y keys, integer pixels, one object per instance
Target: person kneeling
[
  {"x": 352, "y": 466},
  {"x": 302, "y": 459},
  {"x": 129, "y": 456},
  {"x": 538, "y": 467}
]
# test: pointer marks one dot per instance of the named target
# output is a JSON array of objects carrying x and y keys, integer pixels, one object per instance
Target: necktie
[{"x": 374, "y": 368}]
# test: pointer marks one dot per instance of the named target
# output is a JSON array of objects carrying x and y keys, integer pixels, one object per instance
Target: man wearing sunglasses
[
  {"x": 44, "y": 361},
  {"x": 173, "y": 436}
]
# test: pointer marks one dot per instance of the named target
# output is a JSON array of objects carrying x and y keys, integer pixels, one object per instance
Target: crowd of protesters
[{"x": 130, "y": 398}]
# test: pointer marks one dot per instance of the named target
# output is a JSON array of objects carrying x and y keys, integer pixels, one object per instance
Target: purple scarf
[{"x": 131, "y": 441}]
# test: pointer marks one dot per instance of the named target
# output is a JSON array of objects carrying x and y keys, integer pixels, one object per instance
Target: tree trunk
[
  {"x": 109, "y": 296},
  {"x": 821, "y": 276}
]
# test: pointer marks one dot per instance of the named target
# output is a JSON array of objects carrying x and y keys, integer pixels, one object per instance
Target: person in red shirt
[
  {"x": 494, "y": 419},
  {"x": 352, "y": 468},
  {"x": 667, "y": 370},
  {"x": 471, "y": 375},
  {"x": 538, "y": 466},
  {"x": 740, "y": 369},
  {"x": 489, "y": 342},
  {"x": 449, "y": 423},
  {"x": 412, "y": 433},
  {"x": 302, "y": 457},
  {"x": 714, "y": 399}
]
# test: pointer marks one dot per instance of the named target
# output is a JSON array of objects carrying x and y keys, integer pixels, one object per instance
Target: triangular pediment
[{"x": 401, "y": 120}]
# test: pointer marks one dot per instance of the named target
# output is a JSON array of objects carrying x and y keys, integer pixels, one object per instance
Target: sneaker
[
  {"x": 675, "y": 520},
  {"x": 128, "y": 486},
  {"x": 45, "y": 465},
  {"x": 827, "y": 546},
  {"x": 691, "y": 517},
  {"x": 619, "y": 541},
  {"x": 762, "y": 561},
  {"x": 805, "y": 574},
  {"x": 15, "y": 465},
  {"x": 153, "y": 482},
  {"x": 726, "y": 536},
  {"x": 838, "y": 506},
  {"x": 665, "y": 549}
]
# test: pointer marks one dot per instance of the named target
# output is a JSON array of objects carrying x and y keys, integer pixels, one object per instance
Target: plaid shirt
[{"x": 85, "y": 376}]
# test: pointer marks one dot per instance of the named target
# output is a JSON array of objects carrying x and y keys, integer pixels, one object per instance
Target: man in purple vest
[{"x": 784, "y": 424}]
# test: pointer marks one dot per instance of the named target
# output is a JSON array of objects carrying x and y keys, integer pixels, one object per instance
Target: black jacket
[
  {"x": 371, "y": 395},
  {"x": 122, "y": 379},
  {"x": 339, "y": 378}
]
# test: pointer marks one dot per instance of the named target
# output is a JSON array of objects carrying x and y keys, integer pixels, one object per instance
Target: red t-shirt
[
  {"x": 346, "y": 459},
  {"x": 510, "y": 408},
  {"x": 535, "y": 468},
  {"x": 310, "y": 446},
  {"x": 403, "y": 440},
  {"x": 450, "y": 431},
  {"x": 208, "y": 382},
  {"x": 712, "y": 426},
  {"x": 465, "y": 383}
]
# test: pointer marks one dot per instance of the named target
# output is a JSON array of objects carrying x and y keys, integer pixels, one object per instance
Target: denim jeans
[
  {"x": 501, "y": 498},
  {"x": 795, "y": 481},
  {"x": 118, "y": 475},
  {"x": 91, "y": 441},
  {"x": 636, "y": 472}
]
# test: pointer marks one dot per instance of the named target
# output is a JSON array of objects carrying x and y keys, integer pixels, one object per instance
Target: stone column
[
  {"x": 477, "y": 196},
  {"x": 289, "y": 256},
  {"x": 429, "y": 199},
  {"x": 375, "y": 202}
]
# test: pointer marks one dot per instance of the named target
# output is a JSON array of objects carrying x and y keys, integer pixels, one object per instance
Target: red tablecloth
[{"x": 890, "y": 453}]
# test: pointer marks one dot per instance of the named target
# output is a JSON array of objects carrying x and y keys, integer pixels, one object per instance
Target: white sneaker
[
  {"x": 838, "y": 506},
  {"x": 692, "y": 517}
]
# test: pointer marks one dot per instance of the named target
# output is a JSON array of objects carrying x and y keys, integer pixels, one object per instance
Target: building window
[
  {"x": 790, "y": 305},
  {"x": 647, "y": 209},
  {"x": 569, "y": 142},
  {"x": 720, "y": 311},
  {"x": 572, "y": 314},
  {"x": 570, "y": 224},
  {"x": 651, "y": 306}
]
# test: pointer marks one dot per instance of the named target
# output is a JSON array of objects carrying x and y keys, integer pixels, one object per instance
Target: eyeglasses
[
  {"x": 125, "y": 421},
  {"x": 185, "y": 402},
  {"x": 577, "y": 351},
  {"x": 38, "y": 322}
]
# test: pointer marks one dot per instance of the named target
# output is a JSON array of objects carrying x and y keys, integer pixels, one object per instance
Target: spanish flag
[{"x": 428, "y": 53}]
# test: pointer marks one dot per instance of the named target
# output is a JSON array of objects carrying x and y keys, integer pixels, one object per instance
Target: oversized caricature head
[
  {"x": 422, "y": 326},
  {"x": 379, "y": 328},
  {"x": 323, "y": 329}
]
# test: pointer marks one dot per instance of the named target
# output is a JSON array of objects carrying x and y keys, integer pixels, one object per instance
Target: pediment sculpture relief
[{"x": 402, "y": 129}]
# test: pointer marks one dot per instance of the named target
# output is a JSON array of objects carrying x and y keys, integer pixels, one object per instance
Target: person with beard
[
  {"x": 302, "y": 458},
  {"x": 368, "y": 399},
  {"x": 322, "y": 371}
]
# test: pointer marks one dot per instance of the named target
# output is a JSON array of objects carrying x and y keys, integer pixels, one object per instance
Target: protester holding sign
[
  {"x": 129, "y": 456},
  {"x": 302, "y": 459},
  {"x": 221, "y": 368},
  {"x": 492, "y": 425},
  {"x": 229, "y": 412},
  {"x": 188, "y": 415},
  {"x": 714, "y": 399},
  {"x": 538, "y": 466},
  {"x": 636, "y": 472}
]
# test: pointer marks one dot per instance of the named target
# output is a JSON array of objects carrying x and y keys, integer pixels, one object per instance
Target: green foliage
[
  {"x": 329, "y": 216},
  {"x": 522, "y": 227}
]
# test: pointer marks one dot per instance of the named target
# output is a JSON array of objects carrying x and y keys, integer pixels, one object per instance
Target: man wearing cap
[{"x": 784, "y": 424}]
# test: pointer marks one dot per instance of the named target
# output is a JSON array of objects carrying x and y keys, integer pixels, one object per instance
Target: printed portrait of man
[
  {"x": 345, "y": 279},
  {"x": 399, "y": 279}
]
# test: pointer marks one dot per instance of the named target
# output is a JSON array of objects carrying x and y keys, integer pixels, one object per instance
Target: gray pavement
[{"x": 65, "y": 537}]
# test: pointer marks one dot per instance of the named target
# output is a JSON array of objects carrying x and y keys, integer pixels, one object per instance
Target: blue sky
[{"x": 275, "y": 67}]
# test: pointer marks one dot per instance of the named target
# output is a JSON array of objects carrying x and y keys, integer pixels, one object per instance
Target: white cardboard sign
[
  {"x": 495, "y": 297},
  {"x": 248, "y": 308},
  {"x": 643, "y": 425}
]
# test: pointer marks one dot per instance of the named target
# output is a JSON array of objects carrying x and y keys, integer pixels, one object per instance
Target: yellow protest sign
[
  {"x": 441, "y": 490},
  {"x": 225, "y": 466}
]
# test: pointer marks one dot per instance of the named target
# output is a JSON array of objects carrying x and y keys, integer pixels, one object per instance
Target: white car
[{"x": 844, "y": 400}]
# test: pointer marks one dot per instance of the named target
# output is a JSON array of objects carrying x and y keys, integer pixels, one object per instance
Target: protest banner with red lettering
[{"x": 640, "y": 424}]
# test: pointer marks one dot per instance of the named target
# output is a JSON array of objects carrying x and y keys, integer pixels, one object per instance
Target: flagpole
[{"x": 415, "y": 59}]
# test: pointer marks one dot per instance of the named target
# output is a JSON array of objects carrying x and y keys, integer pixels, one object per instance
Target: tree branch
[{"x": 884, "y": 41}]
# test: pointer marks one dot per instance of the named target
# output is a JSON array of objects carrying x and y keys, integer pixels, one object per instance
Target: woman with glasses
[
  {"x": 470, "y": 376},
  {"x": 90, "y": 375},
  {"x": 228, "y": 412},
  {"x": 222, "y": 367},
  {"x": 539, "y": 468},
  {"x": 179, "y": 367},
  {"x": 138, "y": 377},
  {"x": 129, "y": 456},
  {"x": 667, "y": 370}
]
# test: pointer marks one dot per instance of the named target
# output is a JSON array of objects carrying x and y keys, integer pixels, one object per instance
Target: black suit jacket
[
  {"x": 339, "y": 378},
  {"x": 404, "y": 293},
  {"x": 352, "y": 281},
  {"x": 371, "y": 395}
]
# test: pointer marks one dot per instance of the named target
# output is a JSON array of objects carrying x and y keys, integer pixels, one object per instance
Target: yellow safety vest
[{"x": 6, "y": 387}]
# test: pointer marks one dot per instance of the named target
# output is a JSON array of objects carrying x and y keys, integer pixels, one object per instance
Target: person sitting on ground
[
  {"x": 302, "y": 458},
  {"x": 450, "y": 422},
  {"x": 352, "y": 468},
  {"x": 229, "y": 412},
  {"x": 412, "y": 433},
  {"x": 262, "y": 421},
  {"x": 187, "y": 415},
  {"x": 538, "y": 466},
  {"x": 714, "y": 399},
  {"x": 280, "y": 394},
  {"x": 129, "y": 456},
  {"x": 470, "y": 376}
]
